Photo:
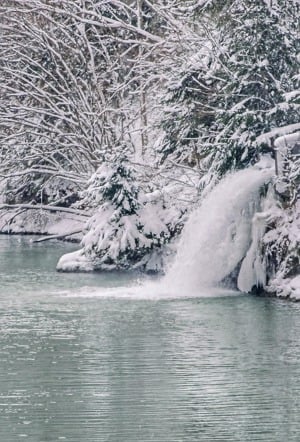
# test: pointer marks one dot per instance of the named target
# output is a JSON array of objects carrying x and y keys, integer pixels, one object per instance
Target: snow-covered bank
[{"x": 41, "y": 222}]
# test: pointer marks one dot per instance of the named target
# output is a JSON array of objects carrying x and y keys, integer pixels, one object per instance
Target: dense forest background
[{"x": 128, "y": 113}]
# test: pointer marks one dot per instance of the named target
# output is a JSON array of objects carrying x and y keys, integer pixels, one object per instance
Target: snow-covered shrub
[{"x": 129, "y": 226}]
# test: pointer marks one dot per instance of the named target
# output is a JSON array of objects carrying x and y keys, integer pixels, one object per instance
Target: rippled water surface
[{"x": 82, "y": 360}]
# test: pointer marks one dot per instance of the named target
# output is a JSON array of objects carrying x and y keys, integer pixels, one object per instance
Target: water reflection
[{"x": 218, "y": 369}]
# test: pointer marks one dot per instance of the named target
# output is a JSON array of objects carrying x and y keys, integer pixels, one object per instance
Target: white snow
[
  {"x": 278, "y": 131},
  {"x": 287, "y": 140},
  {"x": 286, "y": 287},
  {"x": 295, "y": 287},
  {"x": 75, "y": 261}
]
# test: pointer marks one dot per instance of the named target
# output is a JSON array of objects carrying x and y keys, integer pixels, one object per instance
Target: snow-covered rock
[{"x": 75, "y": 262}]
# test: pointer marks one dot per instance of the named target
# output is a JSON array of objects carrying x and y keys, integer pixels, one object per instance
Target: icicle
[{"x": 253, "y": 269}]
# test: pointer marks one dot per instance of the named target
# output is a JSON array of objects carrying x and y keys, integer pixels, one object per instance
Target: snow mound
[{"x": 74, "y": 262}]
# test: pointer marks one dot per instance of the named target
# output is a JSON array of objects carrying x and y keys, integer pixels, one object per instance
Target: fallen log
[{"x": 60, "y": 236}]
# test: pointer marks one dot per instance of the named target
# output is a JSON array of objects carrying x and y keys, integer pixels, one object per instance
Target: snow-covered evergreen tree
[
  {"x": 187, "y": 88},
  {"x": 242, "y": 88},
  {"x": 258, "y": 70},
  {"x": 186, "y": 108},
  {"x": 126, "y": 227}
]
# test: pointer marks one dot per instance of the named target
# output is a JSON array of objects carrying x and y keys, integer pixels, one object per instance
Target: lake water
[{"x": 83, "y": 360}]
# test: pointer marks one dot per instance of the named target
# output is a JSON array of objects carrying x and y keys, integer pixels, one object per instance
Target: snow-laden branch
[
  {"x": 276, "y": 132},
  {"x": 46, "y": 171}
]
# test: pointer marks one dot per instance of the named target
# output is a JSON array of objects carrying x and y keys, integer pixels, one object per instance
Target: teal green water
[{"x": 80, "y": 365}]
